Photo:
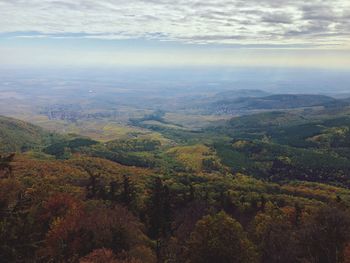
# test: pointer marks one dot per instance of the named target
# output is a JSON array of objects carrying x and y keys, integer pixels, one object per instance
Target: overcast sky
[{"x": 176, "y": 32}]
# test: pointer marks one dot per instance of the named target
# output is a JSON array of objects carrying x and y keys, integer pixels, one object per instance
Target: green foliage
[
  {"x": 220, "y": 238},
  {"x": 133, "y": 145},
  {"x": 315, "y": 143},
  {"x": 19, "y": 136},
  {"x": 62, "y": 149},
  {"x": 159, "y": 210},
  {"x": 275, "y": 175}
]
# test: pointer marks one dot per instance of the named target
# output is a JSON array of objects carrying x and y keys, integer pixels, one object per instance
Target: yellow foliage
[{"x": 191, "y": 156}]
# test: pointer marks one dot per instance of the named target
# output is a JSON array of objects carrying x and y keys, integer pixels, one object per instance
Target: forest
[{"x": 269, "y": 187}]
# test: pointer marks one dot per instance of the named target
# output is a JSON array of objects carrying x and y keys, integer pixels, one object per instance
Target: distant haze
[{"x": 175, "y": 80}]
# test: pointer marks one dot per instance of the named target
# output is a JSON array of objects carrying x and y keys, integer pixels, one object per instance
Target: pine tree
[
  {"x": 128, "y": 191},
  {"x": 91, "y": 188},
  {"x": 160, "y": 213},
  {"x": 156, "y": 209},
  {"x": 113, "y": 191}
]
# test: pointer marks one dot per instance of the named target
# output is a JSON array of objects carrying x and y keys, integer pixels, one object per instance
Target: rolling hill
[
  {"x": 311, "y": 145},
  {"x": 289, "y": 168},
  {"x": 16, "y": 135},
  {"x": 274, "y": 102}
]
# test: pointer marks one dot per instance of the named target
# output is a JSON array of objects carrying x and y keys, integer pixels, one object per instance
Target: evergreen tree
[
  {"x": 91, "y": 188},
  {"x": 128, "y": 191},
  {"x": 159, "y": 210},
  {"x": 113, "y": 190}
]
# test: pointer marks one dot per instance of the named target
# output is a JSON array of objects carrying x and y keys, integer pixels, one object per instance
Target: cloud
[
  {"x": 240, "y": 22},
  {"x": 277, "y": 18}
]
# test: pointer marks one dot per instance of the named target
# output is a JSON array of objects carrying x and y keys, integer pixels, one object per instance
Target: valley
[{"x": 135, "y": 174}]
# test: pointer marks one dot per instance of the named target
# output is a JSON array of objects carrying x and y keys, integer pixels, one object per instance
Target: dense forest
[{"x": 270, "y": 187}]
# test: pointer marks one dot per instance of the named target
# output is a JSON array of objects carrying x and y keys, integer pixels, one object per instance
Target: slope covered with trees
[
  {"x": 267, "y": 188},
  {"x": 16, "y": 135}
]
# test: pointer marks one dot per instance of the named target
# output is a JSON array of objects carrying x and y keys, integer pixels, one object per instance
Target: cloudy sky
[{"x": 313, "y": 33}]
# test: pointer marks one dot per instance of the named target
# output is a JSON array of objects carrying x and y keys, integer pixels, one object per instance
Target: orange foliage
[
  {"x": 64, "y": 222},
  {"x": 346, "y": 254},
  {"x": 106, "y": 256},
  {"x": 58, "y": 206},
  {"x": 48, "y": 169},
  {"x": 76, "y": 229},
  {"x": 100, "y": 256},
  {"x": 9, "y": 190}
]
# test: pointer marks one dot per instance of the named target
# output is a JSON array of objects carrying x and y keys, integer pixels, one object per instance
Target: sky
[{"x": 282, "y": 33}]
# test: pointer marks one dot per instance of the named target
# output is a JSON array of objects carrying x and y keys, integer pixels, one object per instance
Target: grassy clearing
[
  {"x": 193, "y": 121},
  {"x": 191, "y": 156}
]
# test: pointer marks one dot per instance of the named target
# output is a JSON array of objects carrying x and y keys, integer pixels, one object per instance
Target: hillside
[
  {"x": 294, "y": 145},
  {"x": 273, "y": 102},
  {"x": 240, "y": 93},
  {"x": 261, "y": 178},
  {"x": 16, "y": 135}
]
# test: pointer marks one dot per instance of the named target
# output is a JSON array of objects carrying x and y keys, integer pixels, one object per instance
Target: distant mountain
[
  {"x": 209, "y": 102},
  {"x": 274, "y": 102},
  {"x": 16, "y": 135},
  {"x": 241, "y": 93}
]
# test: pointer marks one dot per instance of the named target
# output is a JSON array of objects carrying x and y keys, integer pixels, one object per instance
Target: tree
[
  {"x": 159, "y": 210},
  {"x": 103, "y": 255},
  {"x": 183, "y": 225},
  {"x": 298, "y": 212},
  {"x": 128, "y": 193},
  {"x": 346, "y": 254},
  {"x": 19, "y": 231},
  {"x": 191, "y": 195},
  {"x": 83, "y": 228},
  {"x": 262, "y": 203},
  {"x": 274, "y": 236},
  {"x": 113, "y": 190},
  {"x": 91, "y": 188},
  {"x": 220, "y": 238},
  {"x": 325, "y": 235},
  {"x": 5, "y": 165}
]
